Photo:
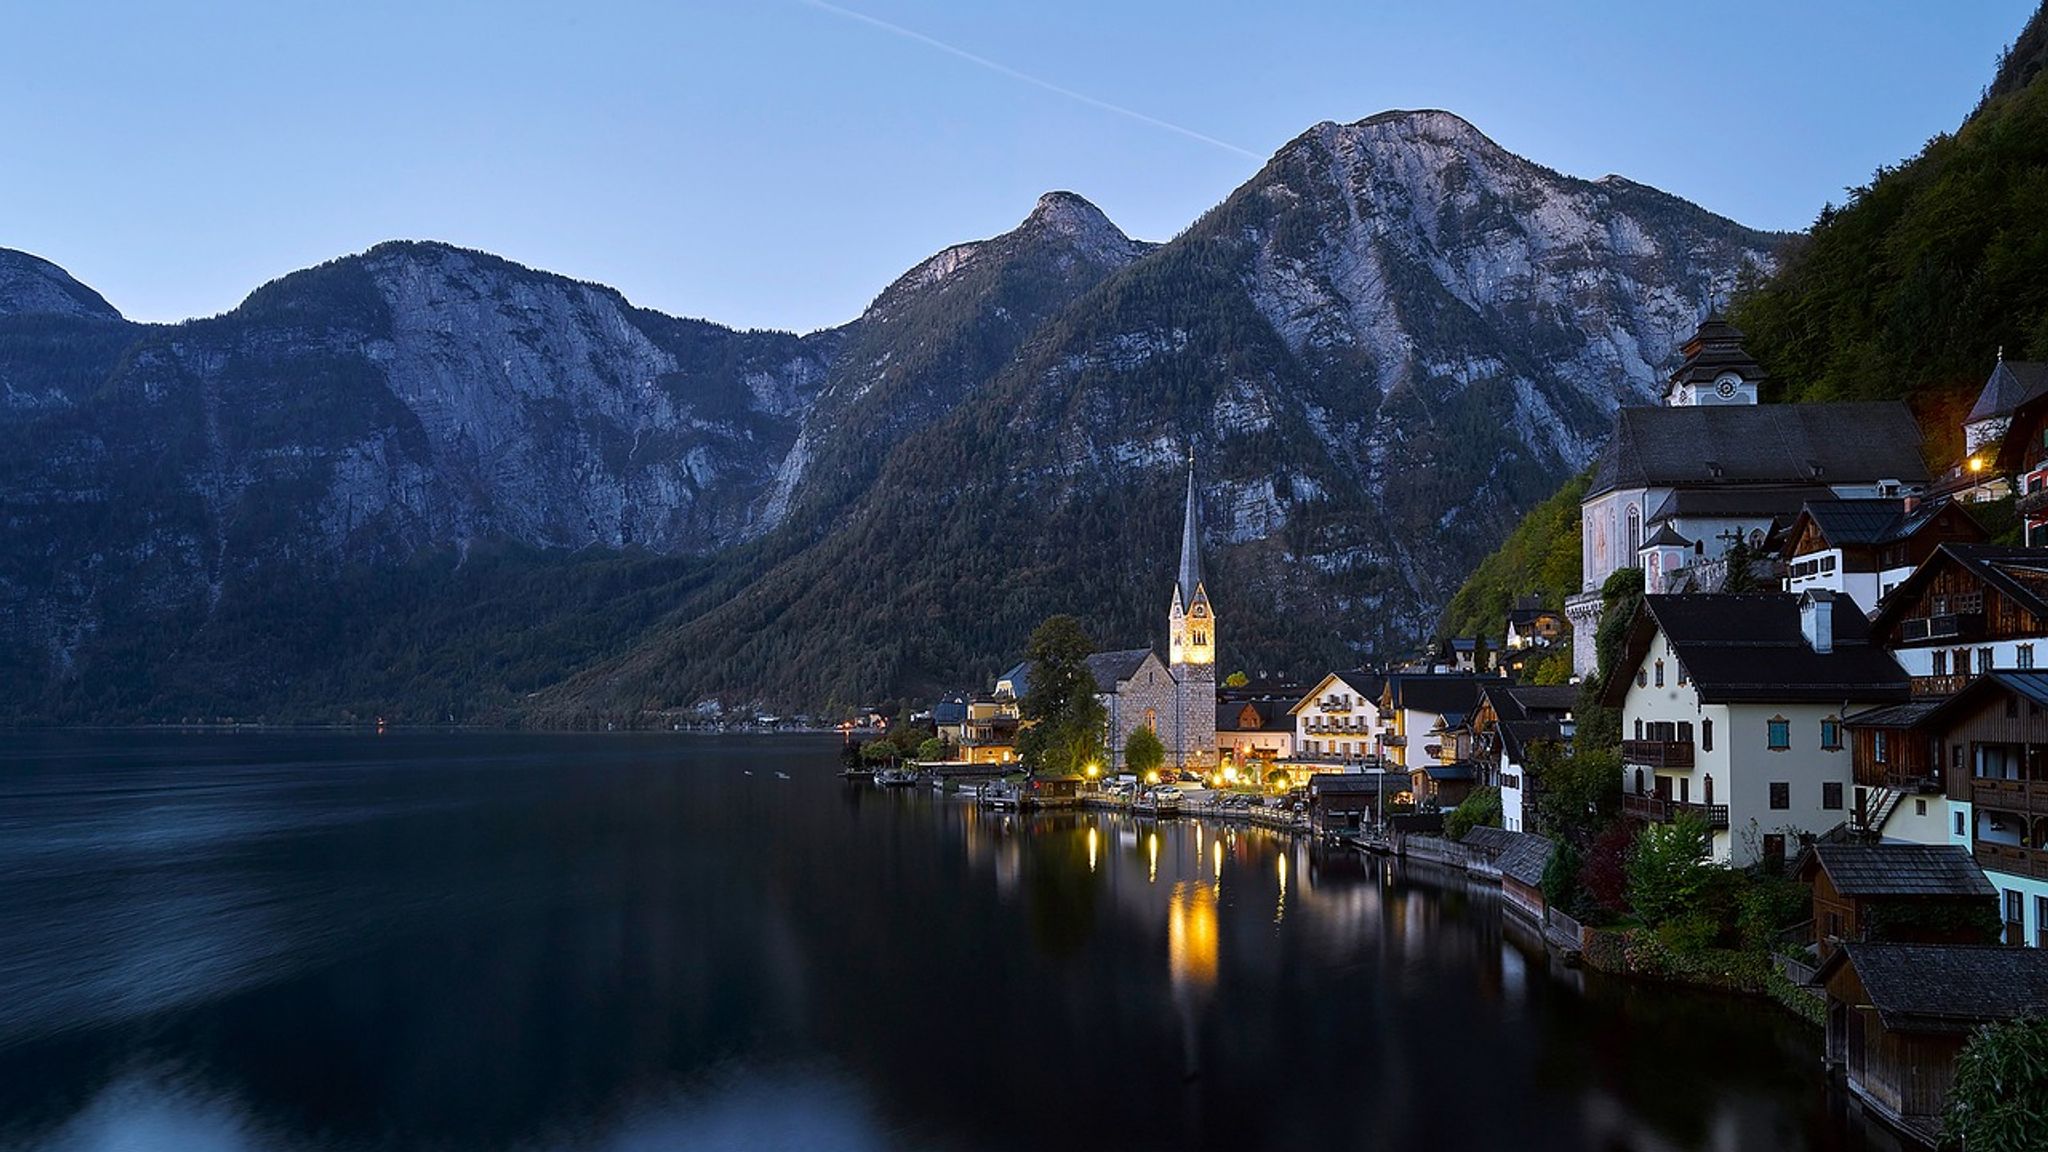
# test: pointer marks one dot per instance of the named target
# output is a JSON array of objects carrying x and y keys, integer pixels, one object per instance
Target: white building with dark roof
[{"x": 1727, "y": 471}]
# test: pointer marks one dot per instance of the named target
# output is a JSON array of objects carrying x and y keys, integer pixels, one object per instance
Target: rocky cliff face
[{"x": 1384, "y": 347}]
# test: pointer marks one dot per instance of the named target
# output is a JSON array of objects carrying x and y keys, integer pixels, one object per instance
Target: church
[{"x": 1176, "y": 697}]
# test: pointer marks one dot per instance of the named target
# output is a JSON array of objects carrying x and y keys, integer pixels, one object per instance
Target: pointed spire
[{"x": 1190, "y": 542}]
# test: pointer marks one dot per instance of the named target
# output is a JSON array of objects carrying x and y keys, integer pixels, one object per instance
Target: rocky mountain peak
[
  {"x": 1080, "y": 223},
  {"x": 32, "y": 286}
]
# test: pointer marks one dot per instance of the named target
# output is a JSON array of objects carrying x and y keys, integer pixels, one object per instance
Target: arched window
[
  {"x": 1709, "y": 790},
  {"x": 1152, "y": 719},
  {"x": 1639, "y": 781},
  {"x": 1635, "y": 531},
  {"x": 1706, "y": 735},
  {"x": 1660, "y": 673}
]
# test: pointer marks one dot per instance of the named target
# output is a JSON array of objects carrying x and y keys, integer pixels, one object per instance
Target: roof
[
  {"x": 1367, "y": 683},
  {"x": 1517, "y": 735},
  {"x": 2012, "y": 383},
  {"x": 1864, "y": 523},
  {"x": 1110, "y": 667},
  {"x": 1442, "y": 693},
  {"x": 1775, "y": 501},
  {"x": 1272, "y": 715},
  {"x": 2030, "y": 686},
  {"x": 950, "y": 709},
  {"x": 1750, "y": 649},
  {"x": 1714, "y": 348},
  {"x": 2021, "y": 573},
  {"x": 1901, "y": 870},
  {"x": 1524, "y": 859},
  {"x": 1907, "y": 715},
  {"x": 1353, "y": 782},
  {"x": 1488, "y": 839},
  {"x": 1190, "y": 577},
  {"x": 1019, "y": 675},
  {"x": 1459, "y": 771},
  {"x": 1521, "y": 701},
  {"x": 1946, "y": 987},
  {"x": 1666, "y": 537},
  {"x": 1733, "y": 445}
]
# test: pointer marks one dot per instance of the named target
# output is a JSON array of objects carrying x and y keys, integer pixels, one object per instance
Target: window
[
  {"x": 1680, "y": 669},
  {"x": 1831, "y": 796},
  {"x": 1831, "y": 733},
  {"x": 1706, "y": 735},
  {"x": 1959, "y": 824},
  {"x": 1685, "y": 731},
  {"x": 1780, "y": 733},
  {"x": 1635, "y": 531},
  {"x": 2041, "y": 921},
  {"x": 1781, "y": 795},
  {"x": 1983, "y": 661},
  {"x": 1938, "y": 664},
  {"x": 1642, "y": 677},
  {"x": 1710, "y": 789},
  {"x": 2014, "y": 927},
  {"x": 2023, "y": 655},
  {"x": 1774, "y": 848},
  {"x": 1877, "y": 746},
  {"x": 1919, "y": 807},
  {"x": 1961, "y": 661},
  {"x": 1660, "y": 673}
]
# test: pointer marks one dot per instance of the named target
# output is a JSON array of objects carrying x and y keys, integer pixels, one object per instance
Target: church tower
[{"x": 1191, "y": 648}]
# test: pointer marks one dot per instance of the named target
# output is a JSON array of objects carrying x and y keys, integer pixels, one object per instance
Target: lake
[{"x": 517, "y": 941}]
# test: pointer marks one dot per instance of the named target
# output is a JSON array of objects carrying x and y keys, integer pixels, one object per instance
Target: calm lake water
[{"x": 466, "y": 941}]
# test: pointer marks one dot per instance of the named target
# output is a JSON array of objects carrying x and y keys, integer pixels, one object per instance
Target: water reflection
[{"x": 531, "y": 943}]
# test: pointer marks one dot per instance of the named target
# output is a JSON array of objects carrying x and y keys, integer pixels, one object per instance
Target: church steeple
[{"x": 1191, "y": 622}]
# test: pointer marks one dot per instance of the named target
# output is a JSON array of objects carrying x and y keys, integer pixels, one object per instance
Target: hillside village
[{"x": 1797, "y": 652}]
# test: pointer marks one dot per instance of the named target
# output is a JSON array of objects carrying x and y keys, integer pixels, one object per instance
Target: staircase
[{"x": 1880, "y": 805}]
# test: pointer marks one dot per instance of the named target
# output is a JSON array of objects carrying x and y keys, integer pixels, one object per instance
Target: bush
[
  {"x": 1668, "y": 870},
  {"x": 1999, "y": 1102},
  {"x": 1689, "y": 934},
  {"x": 1561, "y": 876},
  {"x": 1766, "y": 906},
  {"x": 1481, "y": 809},
  {"x": 1143, "y": 753},
  {"x": 1604, "y": 875}
]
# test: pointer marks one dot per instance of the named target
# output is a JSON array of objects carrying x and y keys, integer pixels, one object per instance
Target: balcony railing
[
  {"x": 1947, "y": 626},
  {"x": 2018, "y": 795},
  {"x": 1657, "y": 810},
  {"x": 2012, "y": 859},
  {"x": 1658, "y": 753},
  {"x": 1938, "y": 685}
]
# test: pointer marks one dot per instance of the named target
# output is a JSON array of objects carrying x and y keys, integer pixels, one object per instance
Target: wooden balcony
[
  {"x": 2012, "y": 860},
  {"x": 1657, "y": 753},
  {"x": 1657, "y": 810},
  {"x": 2011, "y": 795},
  {"x": 1938, "y": 685}
]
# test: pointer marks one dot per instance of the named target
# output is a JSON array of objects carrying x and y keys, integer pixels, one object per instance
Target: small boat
[
  {"x": 970, "y": 791},
  {"x": 782, "y": 775},
  {"x": 748, "y": 771},
  {"x": 896, "y": 777},
  {"x": 1157, "y": 802},
  {"x": 1001, "y": 795}
]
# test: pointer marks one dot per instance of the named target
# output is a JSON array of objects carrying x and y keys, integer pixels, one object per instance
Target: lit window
[{"x": 1780, "y": 734}]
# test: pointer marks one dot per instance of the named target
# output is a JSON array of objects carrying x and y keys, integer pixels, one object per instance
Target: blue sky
[{"x": 775, "y": 163}]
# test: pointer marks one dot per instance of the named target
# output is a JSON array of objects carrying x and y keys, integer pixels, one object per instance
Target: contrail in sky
[{"x": 1012, "y": 73}]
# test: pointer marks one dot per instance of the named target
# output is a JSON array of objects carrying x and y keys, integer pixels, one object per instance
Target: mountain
[
  {"x": 1384, "y": 347},
  {"x": 1912, "y": 288},
  {"x": 1908, "y": 291},
  {"x": 32, "y": 286},
  {"x": 431, "y": 482}
]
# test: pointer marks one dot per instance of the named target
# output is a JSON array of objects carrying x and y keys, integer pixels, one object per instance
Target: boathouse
[{"x": 1901, "y": 893}]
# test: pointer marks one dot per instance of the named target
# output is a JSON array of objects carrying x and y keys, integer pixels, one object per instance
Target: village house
[
  {"x": 1716, "y": 468},
  {"x": 1254, "y": 730},
  {"x": 1900, "y": 794},
  {"x": 1968, "y": 609},
  {"x": 1732, "y": 710},
  {"x": 1863, "y": 549},
  {"x": 981, "y": 727},
  {"x": 1338, "y": 724},
  {"x": 1899, "y": 1014},
  {"x": 1531, "y": 625},
  {"x": 1510, "y": 721},
  {"x": 1900, "y": 893},
  {"x": 2022, "y": 450},
  {"x": 1425, "y": 713},
  {"x": 1339, "y": 800}
]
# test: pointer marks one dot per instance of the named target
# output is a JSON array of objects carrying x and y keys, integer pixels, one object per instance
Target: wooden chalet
[
  {"x": 1968, "y": 609},
  {"x": 1898, "y": 1015},
  {"x": 1901, "y": 893}
]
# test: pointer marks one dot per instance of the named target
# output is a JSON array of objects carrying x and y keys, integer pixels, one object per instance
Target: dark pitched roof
[
  {"x": 1517, "y": 735},
  {"x": 1715, "y": 347},
  {"x": 2030, "y": 686},
  {"x": 1190, "y": 576},
  {"x": 2021, "y": 573},
  {"x": 1536, "y": 699},
  {"x": 1271, "y": 714},
  {"x": 1666, "y": 537},
  {"x": 950, "y": 709},
  {"x": 1354, "y": 782},
  {"x": 1488, "y": 840},
  {"x": 1946, "y": 987},
  {"x": 1907, "y": 715},
  {"x": 1901, "y": 870},
  {"x": 1750, "y": 648},
  {"x": 1520, "y": 856},
  {"x": 1448, "y": 772},
  {"x": 1441, "y": 693},
  {"x": 1779, "y": 502},
  {"x": 1110, "y": 667},
  {"x": 1848, "y": 522},
  {"x": 1755, "y": 444},
  {"x": 2012, "y": 383}
]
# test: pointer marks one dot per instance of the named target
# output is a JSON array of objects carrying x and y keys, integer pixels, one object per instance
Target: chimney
[{"x": 1817, "y": 619}]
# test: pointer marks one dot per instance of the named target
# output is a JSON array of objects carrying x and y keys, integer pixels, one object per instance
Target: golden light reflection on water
[
  {"x": 1280, "y": 907},
  {"x": 1191, "y": 940},
  {"x": 1152, "y": 857},
  {"x": 1092, "y": 838},
  {"x": 1219, "y": 860}
]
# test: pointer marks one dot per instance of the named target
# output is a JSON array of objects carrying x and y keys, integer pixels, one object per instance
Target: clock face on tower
[{"x": 1725, "y": 385}]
